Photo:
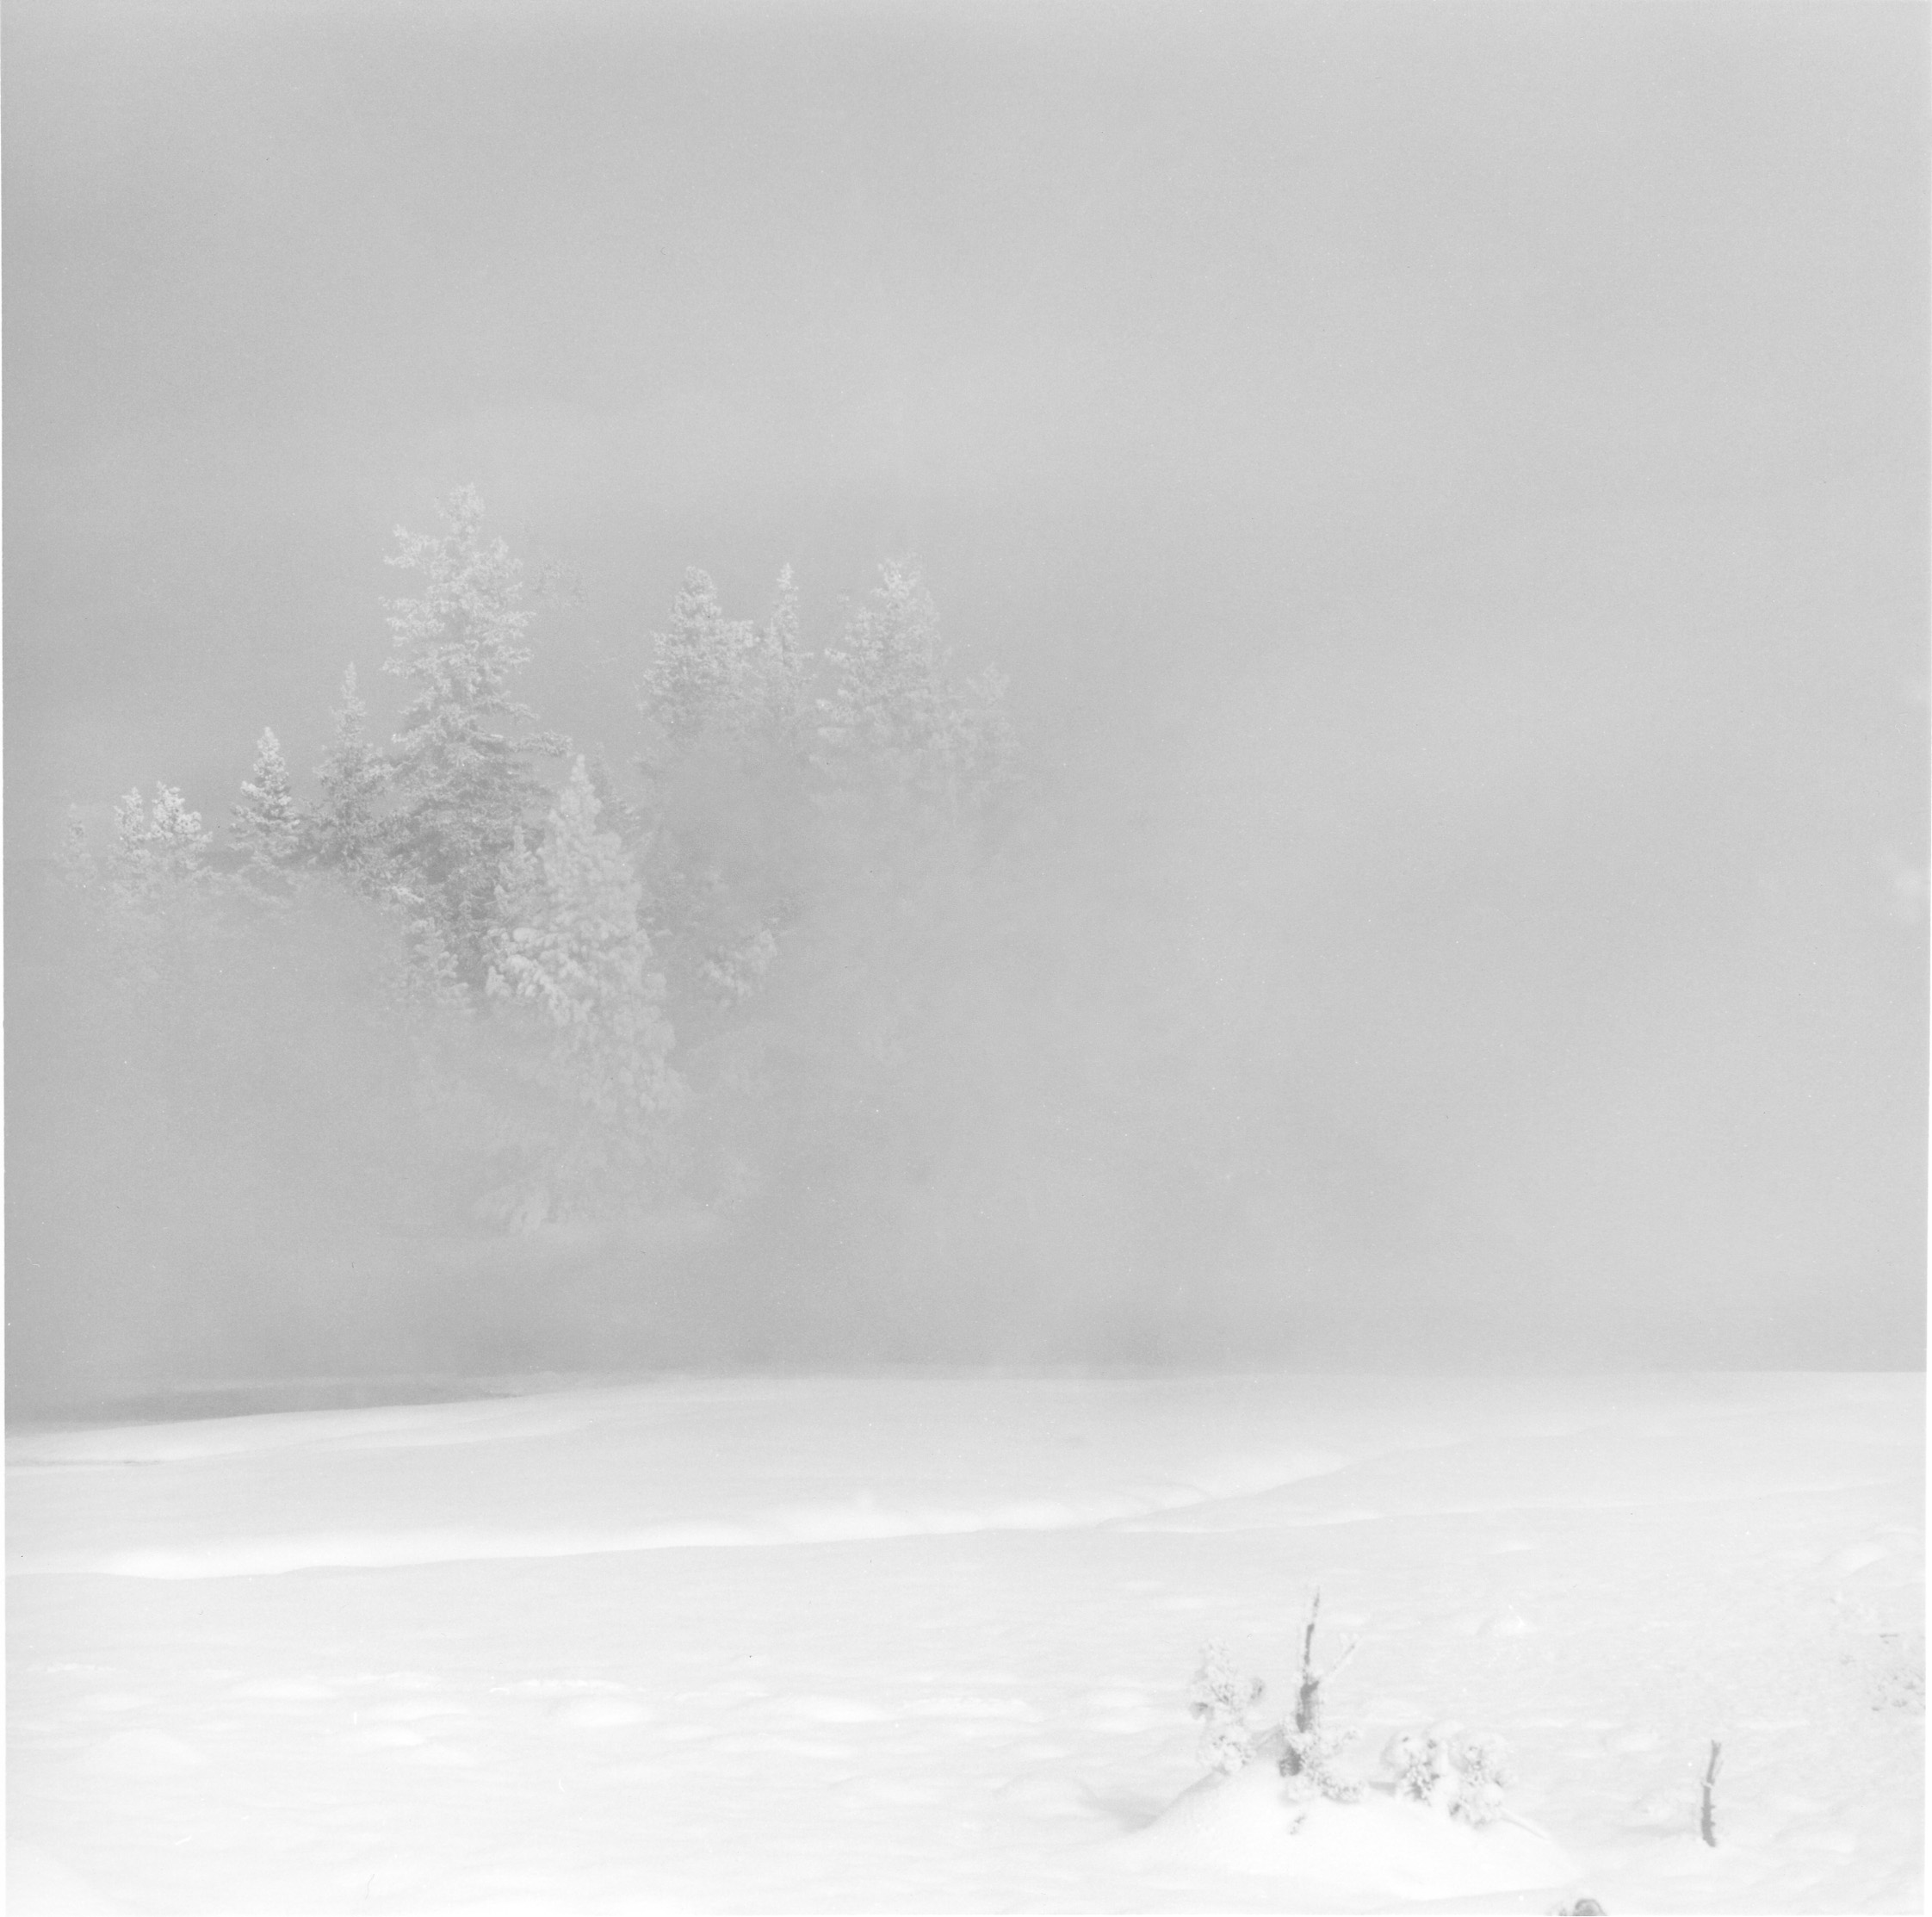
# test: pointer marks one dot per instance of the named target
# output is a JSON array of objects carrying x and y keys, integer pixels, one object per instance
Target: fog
[{"x": 1448, "y": 486}]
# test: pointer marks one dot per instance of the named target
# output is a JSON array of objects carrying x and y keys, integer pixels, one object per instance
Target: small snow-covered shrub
[
  {"x": 1463, "y": 1774},
  {"x": 1310, "y": 1762},
  {"x": 1897, "y": 1675},
  {"x": 1887, "y": 1668},
  {"x": 1305, "y": 1751},
  {"x": 1222, "y": 1697},
  {"x": 1879, "y": 1642},
  {"x": 1419, "y": 1761},
  {"x": 1460, "y": 1773}
]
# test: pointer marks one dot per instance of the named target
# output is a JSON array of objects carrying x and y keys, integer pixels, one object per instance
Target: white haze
[{"x": 1448, "y": 485}]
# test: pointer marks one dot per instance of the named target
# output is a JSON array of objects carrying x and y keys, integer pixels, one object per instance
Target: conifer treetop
[
  {"x": 585, "y": 959},
  {"x": 460, "y": 641},
  {"x": 353, "y": 776},
  {"x": 263, "y": 821},
  {"x": 727, "y": 677},
  {"x": 896, "y": 701},
  {"x": 582, "y": 960},
  {"x": 158, "y": 845},
  {"x": 459, "y": 785}
]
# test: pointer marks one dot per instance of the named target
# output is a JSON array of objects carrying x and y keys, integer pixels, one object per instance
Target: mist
[{"x": 1448, "y": 486}]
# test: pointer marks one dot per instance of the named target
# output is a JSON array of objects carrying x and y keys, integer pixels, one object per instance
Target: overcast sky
[{"x": 1449, "y": 485}]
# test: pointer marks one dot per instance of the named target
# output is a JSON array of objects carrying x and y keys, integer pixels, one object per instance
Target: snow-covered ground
[{"x": 925, "y": 1644}]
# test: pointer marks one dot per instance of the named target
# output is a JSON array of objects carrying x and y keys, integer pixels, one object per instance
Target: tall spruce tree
[
  {"x": 464, "y": 775},
  {"x": 578, "y": 956},
  {"x": 345, "y": 833},
  {"x": 155, "y": 895},
  {"x": 697, "y": 664},
  {"x": 898, "y": 718},
  {"x": 724, "y": 683},
  {"x": 727, "y": 708},
  {"x": 263, "y": 823},
  {"x": 784, "y": 671},
  {"x": 160, "y": 851}
]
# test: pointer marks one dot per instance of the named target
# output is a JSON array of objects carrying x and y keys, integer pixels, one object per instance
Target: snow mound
[{"x": 1380, "y": 1845}]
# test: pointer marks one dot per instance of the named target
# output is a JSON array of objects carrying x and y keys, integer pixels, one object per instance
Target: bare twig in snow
[
  {"x": 1308, "y": 1698},
  {"x": 1707, "y": 1820}
]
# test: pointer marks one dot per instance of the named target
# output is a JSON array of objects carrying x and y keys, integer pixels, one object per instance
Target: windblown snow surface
[{"x": 925, "y": 1644}]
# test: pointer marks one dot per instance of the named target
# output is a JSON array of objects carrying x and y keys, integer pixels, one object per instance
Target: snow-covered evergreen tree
[
  {"x": 897, "y": 708},
  {"x": 346, "y": 831},
  {"x": 815, "y": 891},
  {"x": 461, "y": 784},
  {"x": 724, "y": 834},
  {"x": 775, "y": 702},
  {"x": 783, "y": 668},
  {"x": 263, "y": 823},
  {"x": 726, "y": 682},
  {"x": 160, "y": 850},
  {"x": 150, "y": 895},
  {"x": 694, "y": 663},
  {"x": 582, "y": 960}
]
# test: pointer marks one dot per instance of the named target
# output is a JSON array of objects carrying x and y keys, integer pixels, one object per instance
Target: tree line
[{"x": 607, "y": 996}]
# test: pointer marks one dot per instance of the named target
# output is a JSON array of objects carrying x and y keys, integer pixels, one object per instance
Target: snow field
[{"x": 924, "y": 1645}]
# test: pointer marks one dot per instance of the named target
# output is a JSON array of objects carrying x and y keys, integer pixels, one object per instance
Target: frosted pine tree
[
  {"x": 726, "y": 704},
  {"x": 346, "y": 835},
  {"x": 353, "y": 775},
  {"x": 462, "y": 784},
  {"x": 723, "y": 682},
  {"x": 158, "y": 854},
  {"x": 695, "y": 664},
  {"x": 906, "y": 758},
  {"x": 263, "y": 823},
  {"x": 784, "y": 650},
  {"x": 897, "y": 708},
  {"x": 582, "y": 963},
  {"x": 160, "y": 850},
  {"x": 155, "y": 881},
  {"x": 887, "y": 673},
  {"x": 783, "y": 670}
]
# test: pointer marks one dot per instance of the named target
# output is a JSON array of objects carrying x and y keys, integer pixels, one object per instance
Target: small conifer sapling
[{"x": 1222, "y": 1697}]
